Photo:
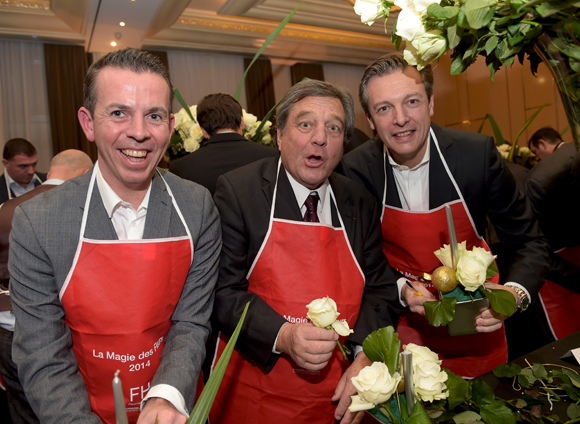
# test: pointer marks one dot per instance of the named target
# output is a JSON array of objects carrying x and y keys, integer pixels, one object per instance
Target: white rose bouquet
[
  {"x": 323, "y": 313},
  {"x": 474, "y": 268}
]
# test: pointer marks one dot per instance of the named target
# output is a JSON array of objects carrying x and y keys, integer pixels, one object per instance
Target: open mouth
[
  {"x": 134, "y": 155},
  {"x": 314, "y": 159},
  {"x": 404, "y": 134}
]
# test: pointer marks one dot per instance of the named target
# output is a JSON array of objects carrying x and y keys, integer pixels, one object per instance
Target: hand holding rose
[{"x": 309, "y": 346}]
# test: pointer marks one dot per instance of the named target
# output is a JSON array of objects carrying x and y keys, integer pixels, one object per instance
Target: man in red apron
[
  {"x": 285, "y": 370},
  {"x": 414, "y": 168},
  {"x": 553, "y": 188},
  {"x": 115, "y": 270}
]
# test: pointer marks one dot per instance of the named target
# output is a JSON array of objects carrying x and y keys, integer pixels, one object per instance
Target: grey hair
[
  {"x": 386, "y": 65},
  {"x": 315, "y": 88}
]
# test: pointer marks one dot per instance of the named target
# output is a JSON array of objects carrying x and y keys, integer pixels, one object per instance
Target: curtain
[
  {"x": 196, "y": 75},
  {"x": 306, "y": 70},
  {"x": 24, "y": 105},
  {"x": 348, "y": 77},
  {"x": 66, "y": 67},
  {"x": 259, "y": 87}
]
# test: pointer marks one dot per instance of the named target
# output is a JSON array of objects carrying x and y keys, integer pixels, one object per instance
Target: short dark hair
[
  {"x": 18, "y": 146},
  {"x": 131, "y": 59},
  {"x": 548, "y": 134},
  {"x": 315, "y": 88},
  {"x": 217, "y": 112},
  {"x": 386, "y": 65}
]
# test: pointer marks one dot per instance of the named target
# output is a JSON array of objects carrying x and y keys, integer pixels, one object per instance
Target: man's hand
[
  {"x": 415, "y": 302},
  {"x": 490, "y": 320},
  {"x": 346, "y": 389},
  {"x": 162, "y": 410},
  {"x": 309, "y": 346}
]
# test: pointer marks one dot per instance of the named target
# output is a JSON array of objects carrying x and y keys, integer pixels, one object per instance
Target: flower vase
[{"x": 556, "y": 48}]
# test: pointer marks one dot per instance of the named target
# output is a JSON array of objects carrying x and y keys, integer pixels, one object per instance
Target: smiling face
[
  {"x": 131, "y": 126},
  {"x": 21, "y": 168},
  {"x": 400, "y": 112},
  {"x": 311, "y": 143}
]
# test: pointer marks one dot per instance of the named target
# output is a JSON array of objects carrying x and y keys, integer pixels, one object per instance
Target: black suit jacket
[
  {"x": 244, "y": 199},
  {"x": 487, "y": 185},
  {"x": 553, "y": 187},
  {"x": 223, "y": 153},
  {"x": 4, "y": 190}
]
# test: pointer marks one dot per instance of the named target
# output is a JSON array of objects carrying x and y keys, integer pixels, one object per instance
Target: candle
[
  {"x": 452, "y": 237},
  {"x": 407, "y": 359},
  {"x": 120, "y": 411}
]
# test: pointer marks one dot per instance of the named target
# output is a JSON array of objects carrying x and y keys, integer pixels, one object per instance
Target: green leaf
[
  {"x": 481, "y": 393},
  {"x": 548, "y": 8},
  {"x": 419, "y": 415},
  {"x": 396, "y": 39},
  {"x": 383, "y": 345},
  {"x": 461, "y": 19},
  {"x": 467, "y": 417},
  {"x": 572, "y": 392},
  {"x": 489, "y": 16},
  {"x": 573, "y": 411},
  {"x": 184, "y": 105},
  {"x": 497, "y": 413},
  {"x": 499, "y": 140},
  {"x": 444, "y": 13},
  {"x": 520, "y": 403},
  {"x": 458, "y": 389},
  {"x": 501, "y": 301},
  {"x": 574, "y": 378},
  {"x": 440, "y": 312},
  {"x": 476, "y": 11},
  {"x": 491, "y": 270},
  {"x": 505, "y": 370},
  {"x": 526, "y": 377},
  {"x": 453, "y": 38},
  {"x": 481, "y": 127},
  {"x": 202, "y": 407},
  {"x": 491, "y": 44},
  {"x": 539, "y": 371},
  {"x": 273, "y": 35},
  {"x": 522, "y": 129}
]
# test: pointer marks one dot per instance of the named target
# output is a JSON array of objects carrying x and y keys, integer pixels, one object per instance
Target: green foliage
[
  {"x": 497, "y": 413},
  {"x": 202, "y": 407},
  {"x": 458, "y": 389},
  {"x": 440, "y": 312},
  {"x": 501, "y": 301},
  {"x": 383, "y": 345},
  {"x": 419, "y": 415},
  {"x": 505, "y": 370}
]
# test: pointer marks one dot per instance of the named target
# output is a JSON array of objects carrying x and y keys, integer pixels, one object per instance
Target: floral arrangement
[
  {"x": 474, "y": 268},
  {"x": 187, "y": 135},
  {"x": 497, "y": 29},
  {"x": 442, "y": 397},
  {"x": 522, "y": 155},
  {"x": 323, "y": 314}
]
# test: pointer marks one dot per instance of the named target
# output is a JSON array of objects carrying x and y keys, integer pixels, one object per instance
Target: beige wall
[{"x": 462, "y": 101}]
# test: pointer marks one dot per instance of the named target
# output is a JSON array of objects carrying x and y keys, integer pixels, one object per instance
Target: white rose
[
  {"x": 180, "y": 118},
  {"x": 504, "y": 147},
  {"x": 357, "y": 404},
  {"x": 417, "y": 6},
  {"x": 341, "y": 327},
  {"x": 193, "y": 110},
  {"x": 369, "y": 10},
  {"x": 375, "y": 385},
  {"x": 484, "y": 256},
  {"x": 471, "y": 271},
  {"x": 250, "y": 132},
  {"x": 421, "y": 354},
  {"x": 429, "y": 47},
  {"x": 267, "y": 139},
  {"x": 267, "y": 126},
  {"x": 429, "y": 381},
  {"x": 409, "y": 25},
  {"x": 191, "y": 144},
  {"x": 410, "y": 54},
  {"x": 444, "y": 254},
  {"x": 249, "y": 119},
  {"x": 322, "y": 312}
]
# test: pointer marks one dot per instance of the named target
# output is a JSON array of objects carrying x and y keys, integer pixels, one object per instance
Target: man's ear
[
  {"x": 86, "y": 121},
  {"x": 371, "y": 123},
  {"x": 242, "y": 125},
  {"x": 205, "y": 133}
]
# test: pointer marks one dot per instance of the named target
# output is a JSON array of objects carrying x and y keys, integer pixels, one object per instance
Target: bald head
[{"x": 69, "y": 164}]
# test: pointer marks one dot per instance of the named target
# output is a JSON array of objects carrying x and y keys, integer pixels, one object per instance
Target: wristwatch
[{"x": 524, "y": 300}]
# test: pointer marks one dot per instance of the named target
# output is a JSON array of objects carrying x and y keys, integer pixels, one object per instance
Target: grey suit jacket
[{"x": 43, "y": 242}]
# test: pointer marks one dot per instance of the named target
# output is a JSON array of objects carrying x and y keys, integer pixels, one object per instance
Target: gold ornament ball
[{"x": 443, "y": 279}]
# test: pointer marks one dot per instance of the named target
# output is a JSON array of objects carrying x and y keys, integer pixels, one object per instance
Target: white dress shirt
[
  {"x": 129, "y": 225},
  {"x": 16, "y": 188}
]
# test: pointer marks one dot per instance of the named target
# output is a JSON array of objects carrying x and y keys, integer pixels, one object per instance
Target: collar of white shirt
[
  {"x": 425, "y": 159},
  {"x": 301, "y": 193},
  {"x": 17, "y": 188},
  {"x": 111, "y": 200}
]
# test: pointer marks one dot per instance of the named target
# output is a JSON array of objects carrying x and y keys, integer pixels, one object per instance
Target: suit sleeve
[
  {"x": 262, "y": 322},
  {"x": 516, "y": 224},
  {"x": 42, "y": 346},
  {"x": 184, "y": 349}
]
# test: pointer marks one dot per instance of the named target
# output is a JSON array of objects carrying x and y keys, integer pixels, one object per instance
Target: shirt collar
[
  {"x": 11, "y": 181},
  {"x": 302, "y": 192},
  {"x": 423, "y": 161},
  {"x": 53, "y": 181},
  {"x": 110, "y": 199}
]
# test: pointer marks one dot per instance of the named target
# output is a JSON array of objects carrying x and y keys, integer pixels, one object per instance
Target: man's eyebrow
[{"x": 304, "y": 113}]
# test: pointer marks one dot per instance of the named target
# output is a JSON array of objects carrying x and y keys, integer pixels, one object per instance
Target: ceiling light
[
  {"x": 113, "y": 43},
  {"x": 122, "y": 23}
]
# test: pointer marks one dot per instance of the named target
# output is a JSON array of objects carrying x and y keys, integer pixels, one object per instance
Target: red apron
[
  {"x": 298, "y": 262},
  {"x": 410, "y": 238},
  {"x": 117, "y": 318},
  {"x": 560, "y": 304}
]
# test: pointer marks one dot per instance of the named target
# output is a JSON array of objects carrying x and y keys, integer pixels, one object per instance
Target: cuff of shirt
[
  {"x": 400, "y": 283},
  {"x": 519, "y": 286},
  {"x": 170, "y": 394},
  {"x": 276, "y": 341}
]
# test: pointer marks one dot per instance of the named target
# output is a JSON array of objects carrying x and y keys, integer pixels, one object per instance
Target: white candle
[{"x": 120, "y": 411}]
